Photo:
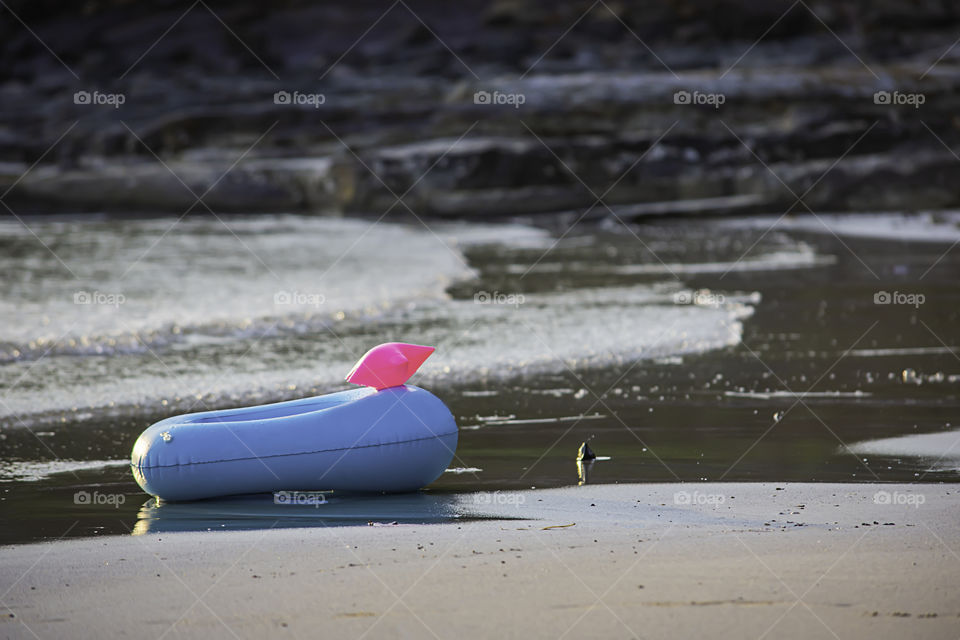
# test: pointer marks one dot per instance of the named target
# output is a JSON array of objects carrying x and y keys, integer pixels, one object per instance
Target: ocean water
[
  {"x": 139, "y": 316},
  {"x": 735, "y": 349}
]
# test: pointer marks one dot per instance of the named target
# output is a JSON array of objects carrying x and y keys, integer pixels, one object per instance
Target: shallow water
[{"x": 658, "y": 344}]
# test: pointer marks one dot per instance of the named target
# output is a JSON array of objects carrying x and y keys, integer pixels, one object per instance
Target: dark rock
[{"x": 600, "y": 116}]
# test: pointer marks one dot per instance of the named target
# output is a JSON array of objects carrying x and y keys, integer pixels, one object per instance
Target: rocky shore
[{"x": 479, "y": 109}]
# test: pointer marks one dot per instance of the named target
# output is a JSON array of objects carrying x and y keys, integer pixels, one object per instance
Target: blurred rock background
[{"x": 480, "y": 108}]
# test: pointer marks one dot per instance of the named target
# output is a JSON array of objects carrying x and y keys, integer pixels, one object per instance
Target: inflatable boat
[{"x": 386, "y": 437}]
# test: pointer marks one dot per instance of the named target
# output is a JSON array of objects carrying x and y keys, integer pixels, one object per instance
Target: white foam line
[
  {"x": 24, "y": 471},
  {"x": 941, "y": 227},
  {"x": 943, "y": 445},
  {"x": 595, "y": 416},
  {"x": 788, "y": 394},
  {"x": 776, "y": 261},
  {"x": 906, "y": 351}
]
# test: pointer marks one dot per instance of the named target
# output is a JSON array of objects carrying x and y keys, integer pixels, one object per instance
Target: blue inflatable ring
[{"x": 394, "y": 439}]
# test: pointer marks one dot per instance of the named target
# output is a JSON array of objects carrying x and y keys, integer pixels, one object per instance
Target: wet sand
[{"x": 652, "y": 560}]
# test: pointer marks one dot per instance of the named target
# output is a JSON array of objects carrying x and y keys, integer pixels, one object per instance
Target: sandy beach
[{"x": 656, "y": 561}]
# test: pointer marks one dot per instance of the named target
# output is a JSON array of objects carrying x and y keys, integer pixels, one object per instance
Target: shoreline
[{"x": 647, "y": 560}]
